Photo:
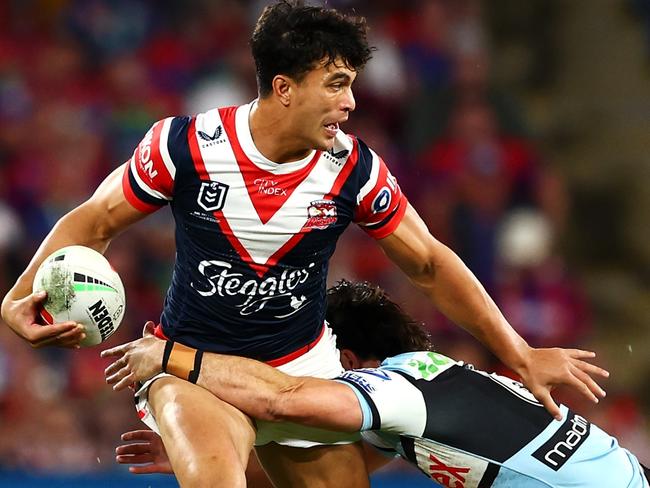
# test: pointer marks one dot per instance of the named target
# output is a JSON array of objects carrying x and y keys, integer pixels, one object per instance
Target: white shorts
[{"x": 321, "y": 361}]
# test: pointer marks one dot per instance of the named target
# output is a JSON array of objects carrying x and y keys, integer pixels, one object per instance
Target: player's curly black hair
[
  {"x": 290, "y": 38},
  {"x": 371, "y": 325}
]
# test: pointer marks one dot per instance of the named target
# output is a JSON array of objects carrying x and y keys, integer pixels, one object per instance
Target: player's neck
[{"x": 274, "y": 135}]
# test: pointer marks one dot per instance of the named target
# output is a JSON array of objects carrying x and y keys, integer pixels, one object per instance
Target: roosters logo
[{"x": 321, "y": 213}]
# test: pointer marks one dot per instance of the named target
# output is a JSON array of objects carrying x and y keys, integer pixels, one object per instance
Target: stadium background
[{"x": 519, "y": 130}]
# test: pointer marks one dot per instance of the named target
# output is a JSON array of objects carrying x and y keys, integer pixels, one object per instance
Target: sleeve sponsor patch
[
  {"x": 380, "y": 202},
  {"x": 149, "y": 175}
]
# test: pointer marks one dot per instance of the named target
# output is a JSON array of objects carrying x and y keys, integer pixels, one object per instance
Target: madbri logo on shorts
[{"x": 555, "y": 452}]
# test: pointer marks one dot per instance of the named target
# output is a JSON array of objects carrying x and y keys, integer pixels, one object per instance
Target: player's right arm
[
  {"x": 255, "y": 388},
  {"x": 93, "y": 224}
]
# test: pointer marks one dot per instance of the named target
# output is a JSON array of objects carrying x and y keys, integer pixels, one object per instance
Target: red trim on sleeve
[
  {"x": 132, "y": 198},
  {"x": 152, "y": 170},
  {"x": 391, "y": 225}
]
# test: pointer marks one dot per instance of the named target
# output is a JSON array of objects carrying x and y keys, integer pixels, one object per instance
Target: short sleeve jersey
[
  {"x": 254, "y": 237},
  {"x": 465, "y": 428}
]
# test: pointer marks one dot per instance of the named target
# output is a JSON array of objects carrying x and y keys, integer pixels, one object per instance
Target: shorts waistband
[
  {"x": 298, "y": 352},
  {"x": 158, "y": 332}
]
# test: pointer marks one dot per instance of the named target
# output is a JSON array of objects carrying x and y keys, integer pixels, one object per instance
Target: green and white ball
[{"x": 81, "y": 286}]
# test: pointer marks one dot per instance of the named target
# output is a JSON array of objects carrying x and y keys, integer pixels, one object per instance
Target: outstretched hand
[
  {"x": 545, "y": 369},
  {"x": 23, "y": 316},
  {"x": 136, "y": 361},
  {"x": 147, "y": 452}
]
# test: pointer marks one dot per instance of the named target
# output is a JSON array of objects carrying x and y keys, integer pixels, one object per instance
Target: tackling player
[
  {"x": 260, "y": 194},
  {"x": 458, "y": 425}
]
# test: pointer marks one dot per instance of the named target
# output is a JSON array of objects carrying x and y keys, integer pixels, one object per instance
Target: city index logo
[
  {"x": 102, "y": 318},
  {"x": 555, "y": 452}
]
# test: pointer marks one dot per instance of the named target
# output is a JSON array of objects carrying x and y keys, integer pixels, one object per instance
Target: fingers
[
  {"x": 580, "y": 353},
  {"x": 134, "y": 458},
  {"x": 131, "y": 449},
  {"x": 67, "y": 334},
  {"x": 139, "y": 435},
  {"x": 115, "y": 351},
  {"x": 121, "y": 379},
  {"x": 147, "y": 469},
  {"x": 38, "y": 297},
  {"x": 587, "y": 386},
  {"x": 591, "y": 369},
  {"x": 115, "y": 366},
  {"x": 545, "y": 398},
  {"x": 125, "y": 382}
]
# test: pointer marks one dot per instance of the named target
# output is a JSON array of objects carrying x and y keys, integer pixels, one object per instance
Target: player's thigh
[
  {"x": 315, "y": 467},
  {"x": 208, "y": 441}
]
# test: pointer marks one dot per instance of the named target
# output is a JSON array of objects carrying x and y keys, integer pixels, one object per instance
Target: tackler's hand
[
  {"x": 145, "y": 453},
  {"x": 135, "y": 361},
  {"x": 545, "y": 369}
]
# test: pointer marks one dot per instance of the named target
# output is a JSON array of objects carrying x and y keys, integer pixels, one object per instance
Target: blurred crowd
[{"x": 81, "y": 81}]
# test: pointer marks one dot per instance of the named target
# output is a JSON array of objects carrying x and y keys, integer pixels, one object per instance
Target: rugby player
[
  {"x": 260, "y": 194},
  {"x": 460, "y": 426}
]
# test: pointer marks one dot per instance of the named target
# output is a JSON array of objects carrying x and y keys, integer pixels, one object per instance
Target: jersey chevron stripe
[
  {"x": 264, "y": 207},
  {"x": 262, "y": 241}
]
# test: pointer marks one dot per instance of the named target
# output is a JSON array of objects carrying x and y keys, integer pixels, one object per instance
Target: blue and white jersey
[
  {"x": 465, "y": 428},
  {"x": 254, "y": 237}
]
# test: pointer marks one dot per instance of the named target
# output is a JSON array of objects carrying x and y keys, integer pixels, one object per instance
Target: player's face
[{"x": 323, "y": 100}]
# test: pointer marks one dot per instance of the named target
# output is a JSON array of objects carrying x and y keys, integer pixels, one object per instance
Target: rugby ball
[{"x": 81, "y": 286}]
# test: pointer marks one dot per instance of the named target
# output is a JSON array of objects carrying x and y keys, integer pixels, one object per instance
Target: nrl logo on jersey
[
  {"x": 212, "y": 196},
  {"x": 215, "y": 138},
  {"x": 321, "y": 214}
]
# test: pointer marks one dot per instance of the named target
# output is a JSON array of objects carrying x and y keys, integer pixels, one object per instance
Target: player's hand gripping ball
[{"x": 81, "y": 286}]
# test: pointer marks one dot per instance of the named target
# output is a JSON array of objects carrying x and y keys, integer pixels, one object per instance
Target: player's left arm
[
  {"x": 253, "y": 387},
  {"x": 456, "y": 292}
]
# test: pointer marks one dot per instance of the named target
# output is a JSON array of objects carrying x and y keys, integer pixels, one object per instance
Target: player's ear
[
  {"x": 349, "y": 360},
  {"x": 282, "y": 86}
]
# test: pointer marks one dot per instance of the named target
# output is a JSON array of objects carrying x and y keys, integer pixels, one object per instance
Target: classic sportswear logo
[
  {"x": 207, "y": 137},
  {"x": 555, "y": 452},
  {"x": 338, "y": 154}
]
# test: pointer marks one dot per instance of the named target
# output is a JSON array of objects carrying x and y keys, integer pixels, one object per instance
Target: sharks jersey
[
  {"x": 254, "y": 237},
  {"x": 465, "y": 428}
]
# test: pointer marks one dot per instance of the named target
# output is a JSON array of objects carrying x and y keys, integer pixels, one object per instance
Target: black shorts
[{"x": 646, "y": 471}]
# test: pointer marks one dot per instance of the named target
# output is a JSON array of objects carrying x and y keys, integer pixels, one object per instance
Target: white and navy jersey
[
  {"x": 254, "y": 237},
  {"x": 465, "y": 428}
]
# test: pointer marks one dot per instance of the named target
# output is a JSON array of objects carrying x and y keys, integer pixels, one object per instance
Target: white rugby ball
[{"x": 81, "y": 286}]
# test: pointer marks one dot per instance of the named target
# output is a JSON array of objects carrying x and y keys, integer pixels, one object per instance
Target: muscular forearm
[
  {"x": 452, "y": 287},
  {"x": 265, "y": 393},
  {"x": 255, "y": 388},
  {"x": 92, "y": 224},
  {"x": 456, "y": 292},
  {"x": 76, "y": 227}
]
